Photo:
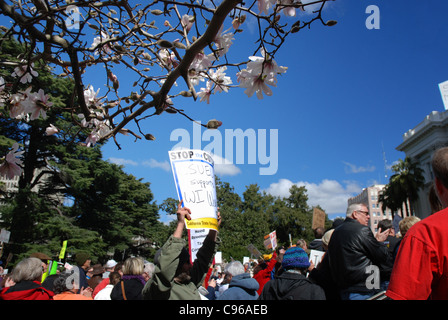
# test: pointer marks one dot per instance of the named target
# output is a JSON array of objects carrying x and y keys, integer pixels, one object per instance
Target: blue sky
[{"x": 349, "y": 94}]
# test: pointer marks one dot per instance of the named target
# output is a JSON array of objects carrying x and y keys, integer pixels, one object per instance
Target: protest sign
[
  {"x": 196, "y": 238},
  {"x": 270, "y": 240},
  {"x": 316, "y": 256},
  {"x": 194, "y": 177}
]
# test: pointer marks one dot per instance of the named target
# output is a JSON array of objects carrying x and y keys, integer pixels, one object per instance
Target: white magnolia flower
[
  {"x": 205, "y": 93},
  {"x": 220, "y": 79},
  {"x": 51, "y": 130},
  {"x": 97, "y": 41},
  {"x": 90, "y": 97},
  {"x": 11, "y": 165},
  {"x": 25, "y": 72},
  {"x": 223, "y": 41}
]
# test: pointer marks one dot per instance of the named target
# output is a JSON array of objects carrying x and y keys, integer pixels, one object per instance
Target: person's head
[
  {"x": 440, "y": 169},
  {"x": 326, "y": 239},
  {"x": 133, "y": 266},
  {"x": 319, "y": 232},
  {"x": 406, "y": 223},
  {"x": 234, "y": 268},
  {"x": 65, "y": 282},
  {"x": 83, "y": 260},
  {"x": 359, "y": 212},
  {"x": 114, "y": 277},
  {"x": 110, "y": 265},
  {"x": 302, "y": 244},
  {"x": 43, "y": 258},
  {"x": 148, "y": 270},
  {"x": 29, "y": 269},
  {"x": 295, "y": 258},
  {"x": 386, "y": 224}
]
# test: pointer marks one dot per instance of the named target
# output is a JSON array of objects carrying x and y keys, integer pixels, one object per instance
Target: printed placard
[{"x": 194, "y": 176}]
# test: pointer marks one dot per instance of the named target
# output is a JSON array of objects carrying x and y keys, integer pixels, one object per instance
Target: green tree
[{"x": 403, "y": 186}]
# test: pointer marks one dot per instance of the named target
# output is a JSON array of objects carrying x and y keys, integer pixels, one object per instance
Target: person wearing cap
[
  {"x": 175, "y": 278},
  {"x": 83, "y": 261},
  {"x": 292, "y": 283},
  {"x": 110, "y": 267}
]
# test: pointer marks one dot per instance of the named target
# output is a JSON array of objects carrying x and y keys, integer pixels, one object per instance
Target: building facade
[{"x": 419, "y": 144}]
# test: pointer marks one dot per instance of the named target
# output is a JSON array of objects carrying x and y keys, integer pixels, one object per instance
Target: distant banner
[
  {"x": 444, "y": 92},
  {"x": 194, "y": 176},
  {"x": 270, "y": 240}
]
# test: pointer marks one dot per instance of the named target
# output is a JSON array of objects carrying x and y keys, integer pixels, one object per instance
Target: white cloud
[
  {"x": 331, "y": 195},
  {"x": 224, "y": 167},
  {"x": 351, "y": 168},
  {"x": 153, "y": 163},
  {"x": 121, "y": 161}
]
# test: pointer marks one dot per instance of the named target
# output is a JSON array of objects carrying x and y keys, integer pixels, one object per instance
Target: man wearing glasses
[{"x": 356, "y": 257}]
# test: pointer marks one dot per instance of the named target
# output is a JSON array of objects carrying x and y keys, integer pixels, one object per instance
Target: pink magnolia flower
[
  {"x": 187, "y": 22},
  {"x": 168, "y": 58},
  {"x": 202, "y": 61},
  {"x": 25, "y": 72},
  {"x": 38, "y": 104},
  {"x": 11, "y": 166}
]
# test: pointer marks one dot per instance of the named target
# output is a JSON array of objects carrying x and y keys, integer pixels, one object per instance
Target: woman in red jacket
[{"x": 27, "y": 275}]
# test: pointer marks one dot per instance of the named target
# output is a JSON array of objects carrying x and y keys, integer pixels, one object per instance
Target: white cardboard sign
[{"x": 194, "y": 176}]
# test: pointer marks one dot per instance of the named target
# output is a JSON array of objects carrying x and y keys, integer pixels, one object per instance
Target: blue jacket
[{"x": 241, "y": 287}]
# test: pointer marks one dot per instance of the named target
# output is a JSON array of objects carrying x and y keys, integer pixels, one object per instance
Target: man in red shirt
[{"x": 420, "y": 271}]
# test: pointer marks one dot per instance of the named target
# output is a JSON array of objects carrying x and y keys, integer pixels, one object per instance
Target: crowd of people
[{"x": 355, "y": 264}]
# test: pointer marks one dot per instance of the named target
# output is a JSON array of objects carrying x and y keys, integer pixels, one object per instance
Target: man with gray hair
[
  {"x": 242, "y": 286},
  {"x": 356, "y": 256},
  {"x": 420, "y": 271}
]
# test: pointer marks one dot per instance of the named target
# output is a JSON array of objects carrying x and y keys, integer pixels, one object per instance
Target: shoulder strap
[{"x": 122, "y": 290}]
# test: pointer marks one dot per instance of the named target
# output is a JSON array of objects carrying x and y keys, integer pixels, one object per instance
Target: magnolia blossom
[
  {"x": 260, "y": 72},
  {"x": 20, "y": 103},
  {"x": 168, "y": 58},
  {"x": 25, "y": 72},
  {"x": 90, "y": 97},
  {"x": 205, "y": 93},
  {"x": 255, "y": 83},
  {"x": 11, "y": 165},
  {"x": 98, "y": 41},
  {"x": 51, "y": 130},
  {"x": 187, "y": 22},
  {"x": 220, "y": 79},
  {"x": 265, "y": 5},
  {"x": 223, "y": 41},
  {"x": 265, "y": 64},
  {"x": 38, "y": 104},
  {"x": 202, "y": 61}
]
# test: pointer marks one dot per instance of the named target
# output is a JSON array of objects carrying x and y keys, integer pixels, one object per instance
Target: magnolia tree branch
[{"x": 154, "y": 44}]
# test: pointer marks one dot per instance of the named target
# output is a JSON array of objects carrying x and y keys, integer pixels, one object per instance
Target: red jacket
[
  {"x": 263, "y": 276},
  {"x": 26, "y": 290}
]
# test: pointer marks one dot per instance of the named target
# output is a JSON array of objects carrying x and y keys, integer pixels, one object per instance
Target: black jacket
[
  {"x": 291, "y": 286},
  {"x": 351, "y": 250}
]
